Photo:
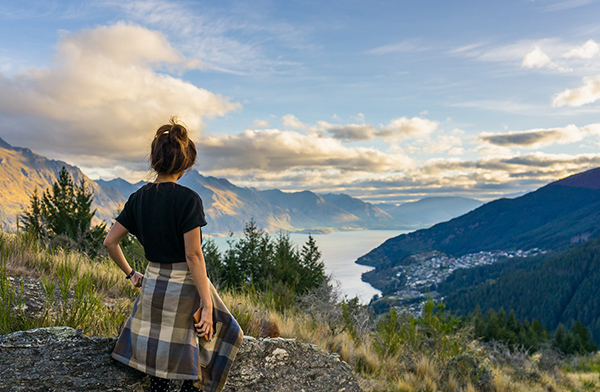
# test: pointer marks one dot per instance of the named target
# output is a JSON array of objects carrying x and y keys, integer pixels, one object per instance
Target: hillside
[
  {"x": 431, "y": 210},
  {"x": 555, "y": 288},
  {"x": 22, "y": 170},
  {"x": 553, "y": 217}
]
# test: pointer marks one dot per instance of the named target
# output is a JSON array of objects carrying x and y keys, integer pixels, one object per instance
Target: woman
[{"x": 159, "y": 337}]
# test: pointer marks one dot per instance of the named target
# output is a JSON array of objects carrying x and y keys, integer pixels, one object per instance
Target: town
[{"x": 423, "y": 273}]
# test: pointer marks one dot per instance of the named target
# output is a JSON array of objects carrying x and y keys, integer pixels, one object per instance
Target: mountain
[
  {"x": 366, "y": 212},
  {"x": 125, "y": 188},
  {"x": 555, "y": 288},
  {"x": 22, "y": 170},
  {"x": 228, "y": 207},
  {"x": 431, "y": 210},
  {"x": 555, "y": 216}
]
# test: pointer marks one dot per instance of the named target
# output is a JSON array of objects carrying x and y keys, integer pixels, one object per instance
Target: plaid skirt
[{"x": 159, "y": 337}]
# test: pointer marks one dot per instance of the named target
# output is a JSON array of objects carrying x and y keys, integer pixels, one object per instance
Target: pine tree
[
  {"x": 32, "y": 218},
  {"x": 65, "y": 210},
  {"x": 313, "y": 274},
  {"x": 213, "y": 259}
]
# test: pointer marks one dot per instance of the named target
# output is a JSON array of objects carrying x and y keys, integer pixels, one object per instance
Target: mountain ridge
[
  {"x": 228, "y": 207},
  {"x": 555, "y": 216}
]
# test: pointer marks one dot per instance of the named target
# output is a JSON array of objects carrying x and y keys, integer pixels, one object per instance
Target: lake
[{"x": 339, "y": 252}]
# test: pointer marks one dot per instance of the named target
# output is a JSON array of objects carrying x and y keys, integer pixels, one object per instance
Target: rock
[
  {"x": 63, "y": 359},
  {"x": 278, "y": 365}
]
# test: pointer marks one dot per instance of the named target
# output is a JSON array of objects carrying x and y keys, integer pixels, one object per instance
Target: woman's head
[{"x": 172, "y": 150}]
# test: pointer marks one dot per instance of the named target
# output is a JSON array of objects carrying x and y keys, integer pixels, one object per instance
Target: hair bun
[{"x": 177, "y": 132}]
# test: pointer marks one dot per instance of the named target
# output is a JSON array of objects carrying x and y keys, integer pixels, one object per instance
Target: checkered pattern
[{"x": 159, "y": 338}]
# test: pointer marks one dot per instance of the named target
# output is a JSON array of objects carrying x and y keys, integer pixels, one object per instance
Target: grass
[{"x": 394, "y": 353}]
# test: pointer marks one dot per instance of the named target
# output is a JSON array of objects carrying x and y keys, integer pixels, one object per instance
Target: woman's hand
[
  {"x": 205, "y": 326},
  {"x": 136, "y": 279}
]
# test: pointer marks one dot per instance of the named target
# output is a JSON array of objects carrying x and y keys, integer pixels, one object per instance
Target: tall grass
[{"x": 82, "y": 286}]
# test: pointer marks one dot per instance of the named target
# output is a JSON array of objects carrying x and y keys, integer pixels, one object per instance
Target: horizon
[{"x": 385, "y": 102}]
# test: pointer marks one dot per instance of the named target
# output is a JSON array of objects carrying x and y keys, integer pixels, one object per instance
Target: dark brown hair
[{"x": 172, "y": 150}]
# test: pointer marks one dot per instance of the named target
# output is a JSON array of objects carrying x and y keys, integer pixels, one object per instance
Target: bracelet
[{"x": 130, "y": 274}]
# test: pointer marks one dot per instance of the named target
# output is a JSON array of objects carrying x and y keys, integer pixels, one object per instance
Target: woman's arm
[
  {"x": 197, "y": 266},
  {"x": 111, "y": 243}
]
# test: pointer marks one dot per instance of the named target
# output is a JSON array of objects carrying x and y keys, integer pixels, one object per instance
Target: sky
[{"x": 388, "y": 101}]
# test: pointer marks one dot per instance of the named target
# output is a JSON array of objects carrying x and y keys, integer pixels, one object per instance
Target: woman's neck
[{"x": 167, "y": 178}]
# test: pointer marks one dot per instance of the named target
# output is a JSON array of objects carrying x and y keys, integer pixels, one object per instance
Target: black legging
[{"x": 158, "y": 384}]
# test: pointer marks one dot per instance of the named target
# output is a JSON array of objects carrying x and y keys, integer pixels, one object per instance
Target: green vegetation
[
  {"x": 532, "y": 336},
  {"x": 274, "y": 266},
  {"x": 78, "y": 292},
  {"x": 558, "y": 288},
  {"x": 62, "y": 215}
]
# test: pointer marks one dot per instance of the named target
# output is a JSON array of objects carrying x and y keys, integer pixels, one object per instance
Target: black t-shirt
[{"x": 158, "y": 214}]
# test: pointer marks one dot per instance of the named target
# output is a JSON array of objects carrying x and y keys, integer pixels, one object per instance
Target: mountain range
[
  {"x": 22, "y": 170},
  {"x": 555, "y": 216},
  {"x": 228, "y": 207}
]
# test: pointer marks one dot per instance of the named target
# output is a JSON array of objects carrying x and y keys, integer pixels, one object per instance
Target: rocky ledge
[{"x": 63, "y": 359}]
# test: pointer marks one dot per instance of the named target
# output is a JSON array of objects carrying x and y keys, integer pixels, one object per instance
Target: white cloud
[
  {"x": 291, "y": 121},
  {"x": 586, "y": 51},
  {"x": 275, "y": 151},
  {"x": 588, "y": 93},
  {"x": 104, "y": 95},
  {"x": 536, "y": 59},
  {"x": 406, "y": 128},
  {"x": 444, "y": 143},
  {"x": 260, "y": 124}
]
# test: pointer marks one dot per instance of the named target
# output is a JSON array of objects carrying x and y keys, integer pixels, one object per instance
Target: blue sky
[{"x": 385, "y": 100}]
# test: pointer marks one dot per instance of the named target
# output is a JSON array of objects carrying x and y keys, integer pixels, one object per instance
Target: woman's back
[{"x": 158, "y": 214}]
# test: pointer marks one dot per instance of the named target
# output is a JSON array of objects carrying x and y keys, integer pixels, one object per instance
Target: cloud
[
  {"x": 408, "y": 46},
  {"x": 586, "y": 51},
  {"x": 105, "y": 94},
  {"x": 353, "y": 132},
  {"x": 444, "y": 143},
  {"x": 536, "y": 59},
  {"x": 484, "y": 179},
  {"x": 399, "y": 129},
  {"x": 405, "y": 128},
  {"x": 274, "y": 150},
  {"x": 260, "y": 124},
  {"x": 565, "y": 5},
  {"x": 541, "y": 137},
  {"x": 294, "y": 161},
  {"x": 226, "y": 39},
  {"x": 291, "y": 121},
  {"x": 588, "y": 93}
]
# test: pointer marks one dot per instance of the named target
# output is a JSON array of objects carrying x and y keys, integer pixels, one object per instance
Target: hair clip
[{"x": 165, "y": 132}]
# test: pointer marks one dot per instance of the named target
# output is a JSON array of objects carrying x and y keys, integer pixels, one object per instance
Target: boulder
[{"x": 64, "y": 359}]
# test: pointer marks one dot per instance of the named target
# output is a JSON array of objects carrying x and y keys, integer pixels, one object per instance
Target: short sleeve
[
  {"x": 126, "y": 217},
  {"x": 193, "y": 213}
]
